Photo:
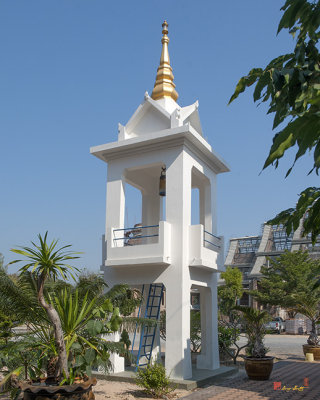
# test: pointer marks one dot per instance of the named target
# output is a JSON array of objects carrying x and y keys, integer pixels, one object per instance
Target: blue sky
[{"x": 71, "y": 70}]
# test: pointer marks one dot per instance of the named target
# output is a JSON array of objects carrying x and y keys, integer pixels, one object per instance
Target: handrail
[
  {"x": 134, "y": 237},
  {"x": 137, "y": 227},
  {"x": 211, "y": 234},
  {"x": 214, "y": 236}
]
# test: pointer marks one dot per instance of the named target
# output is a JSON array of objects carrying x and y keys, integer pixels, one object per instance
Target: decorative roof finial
[{"x": 164, "y": 86}]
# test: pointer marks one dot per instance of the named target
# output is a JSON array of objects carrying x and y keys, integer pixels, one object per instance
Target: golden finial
[{"x": 164, "y": 86}]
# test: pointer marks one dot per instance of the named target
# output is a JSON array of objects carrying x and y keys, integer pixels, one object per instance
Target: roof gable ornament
[{"x": 164, "y": 86}]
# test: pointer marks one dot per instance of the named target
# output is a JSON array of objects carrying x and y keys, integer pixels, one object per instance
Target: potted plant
[
  {"x": 257, "y": 364},
  {"x": 308, "y": 305},
  {"x": 67, "y": 329}
]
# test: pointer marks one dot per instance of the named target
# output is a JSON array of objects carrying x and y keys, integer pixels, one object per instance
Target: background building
[{"x": 250, "y": 253}]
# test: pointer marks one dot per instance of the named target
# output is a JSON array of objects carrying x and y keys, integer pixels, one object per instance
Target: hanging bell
[{"x": 162, "y": 183}]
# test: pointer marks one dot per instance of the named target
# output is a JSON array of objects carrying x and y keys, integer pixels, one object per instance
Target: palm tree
[
  {"x": 47, "y": 262},
  {"x": 255, "y": 329}
]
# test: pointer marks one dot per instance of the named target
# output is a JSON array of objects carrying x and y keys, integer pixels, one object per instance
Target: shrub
[
  {"x": 6, "y": 326},
  {"x": 225, "y": 336},
  {"x": 154, "y": 380},
  {"x": 125, "y": 339}
]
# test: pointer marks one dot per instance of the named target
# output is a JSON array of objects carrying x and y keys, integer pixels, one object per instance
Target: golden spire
[{"x": 164, "y": 86}]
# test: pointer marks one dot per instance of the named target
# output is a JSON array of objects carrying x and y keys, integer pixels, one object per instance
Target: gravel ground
[{"x": 127, "y": 391}]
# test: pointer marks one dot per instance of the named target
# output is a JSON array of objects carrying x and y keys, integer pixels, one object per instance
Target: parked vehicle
[{"x": 276, "y": 325}]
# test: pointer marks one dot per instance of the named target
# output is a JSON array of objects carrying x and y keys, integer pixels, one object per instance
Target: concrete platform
[{"x": 200, "y": 377}]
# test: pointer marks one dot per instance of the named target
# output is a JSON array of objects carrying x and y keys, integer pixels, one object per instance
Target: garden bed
[
  {"x": 126, "y": 391},
  {"x": 120, "y": 391}
]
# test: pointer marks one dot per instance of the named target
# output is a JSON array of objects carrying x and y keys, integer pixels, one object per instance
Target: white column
[
  {"x": 206, "y": 201},
  {"x": 213, "y": 300},
  {"x": 211, "y": 197},
  {"x": 214, "y": 322},
  {"x": 178, "y": 356},
  {"x": 209, "y": 356},
  {"x": 115, "y": 199},
  {"x": 202, "y": 205},
  {"x": 150, "y": 215},
  {"x": 178, "y": 214}
]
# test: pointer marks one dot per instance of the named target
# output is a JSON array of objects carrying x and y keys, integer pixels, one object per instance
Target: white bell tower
[{"x": 162, "y": 138}]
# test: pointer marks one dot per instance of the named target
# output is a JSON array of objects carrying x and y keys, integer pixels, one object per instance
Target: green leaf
[
  {"x": 90, "y": 355},
  {"x": 317, "y": 157},
  {"x": 245, "y": 82},
  {"x": 94, "y": 327},
  {"x": 290, "y": 15},
  {"x": 281, "y": 142},
  {"x": 308, "y": 206},
  {"x": 263, "y": 81}
]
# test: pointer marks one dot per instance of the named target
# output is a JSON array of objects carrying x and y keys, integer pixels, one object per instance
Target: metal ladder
[{"x": 148, "y": 333}]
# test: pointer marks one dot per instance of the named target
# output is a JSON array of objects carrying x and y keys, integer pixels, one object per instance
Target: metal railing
[
  {"x": 212, "y": 237},
  {"x": 133, "y": 236}
]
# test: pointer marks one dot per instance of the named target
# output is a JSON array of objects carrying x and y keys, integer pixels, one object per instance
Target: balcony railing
[
  {"x": 204, "y": 248},
  {"x": 140, "y": 245},
  {"x": 209, "y": 239},
  {"x": 135, "y": 236}
]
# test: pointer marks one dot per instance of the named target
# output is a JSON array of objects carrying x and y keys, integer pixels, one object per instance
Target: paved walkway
[{"x": 290, "y": 379}]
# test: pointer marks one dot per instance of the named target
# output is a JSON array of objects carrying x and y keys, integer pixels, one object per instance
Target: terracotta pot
[
  {"x": 77, "y": 391},
  {"x": 315, "y": 350},
  {"x": 258, "y": 369}
]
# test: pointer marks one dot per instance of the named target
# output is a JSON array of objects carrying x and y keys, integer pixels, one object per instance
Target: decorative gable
[
  {"x": 191, "y": 114},
  {"x": 149, "y": 117}
]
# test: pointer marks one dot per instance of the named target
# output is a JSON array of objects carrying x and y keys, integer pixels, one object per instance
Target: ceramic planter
[
  {"x": 76, "y": 391},
  {"x": 258, "y": 369},
  {"x": 315, "y": 350}
]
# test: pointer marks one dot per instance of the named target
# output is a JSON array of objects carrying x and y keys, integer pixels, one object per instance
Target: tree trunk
[
  {"x": 313, "y": 339},
  {"x": 58, "y": 332},
  {"x": 313, "y": 327}
]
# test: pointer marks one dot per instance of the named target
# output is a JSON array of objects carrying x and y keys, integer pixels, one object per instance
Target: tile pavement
[{"x": 290, "y": 373}]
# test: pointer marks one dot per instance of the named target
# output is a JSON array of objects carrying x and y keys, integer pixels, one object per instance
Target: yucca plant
[
  {"x": 85, "y": 322},
  {"x": 46, "y": 261},
  {"x": 255, "y": 321}
]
